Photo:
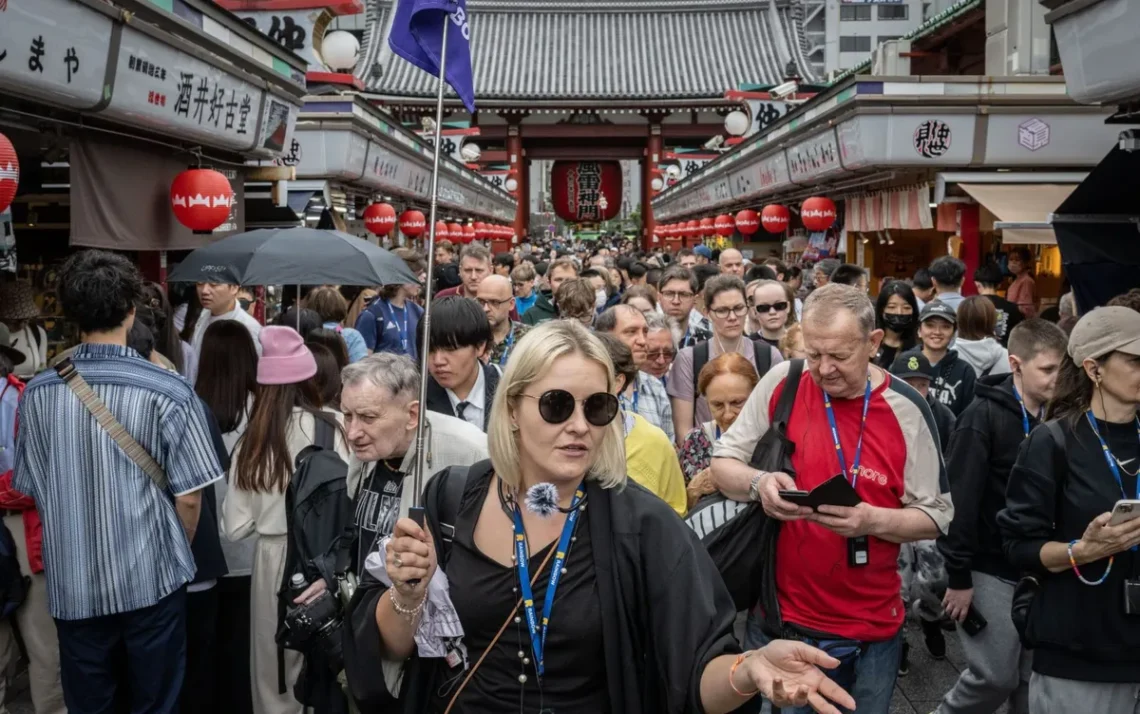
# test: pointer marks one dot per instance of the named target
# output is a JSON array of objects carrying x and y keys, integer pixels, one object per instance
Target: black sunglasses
[
  {"x": 557, "y": 405},
  {"x": 777, "y": 306}
]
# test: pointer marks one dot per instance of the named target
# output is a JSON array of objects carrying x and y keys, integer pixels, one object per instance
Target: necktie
[{"x": 460, "y": 408}]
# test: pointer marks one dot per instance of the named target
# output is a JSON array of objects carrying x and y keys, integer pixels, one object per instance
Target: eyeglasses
[
  {"x": 492, "y": 303},
  {"x": 722, "y": 312},
  {"x": 777, "y": 306},
  {"x": 557, "y": 405},
  {"x": 662, "y": 354},
  {"x": 676, "y": 296}
]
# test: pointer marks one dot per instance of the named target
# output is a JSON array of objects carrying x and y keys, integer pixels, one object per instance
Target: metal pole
[{"x": 419, "y": 474}]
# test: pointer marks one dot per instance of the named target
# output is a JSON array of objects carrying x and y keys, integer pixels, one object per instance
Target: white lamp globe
[
  {"x": 657, "y": 183},
  {"x": 340, "y": 50},
  {"x": 512, "y": 185},
  {"x": 470, "y": 152},
  {"x": 674, "y": 171},
  {"x": 736, "y": 123}
]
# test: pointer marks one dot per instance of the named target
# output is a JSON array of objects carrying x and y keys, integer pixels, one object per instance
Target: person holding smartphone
[
  {"x": 1084, "y": 622},
  {"x": 983, "y": 447}
]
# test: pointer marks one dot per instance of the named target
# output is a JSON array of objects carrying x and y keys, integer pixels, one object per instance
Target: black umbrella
[{"x": 293, "y": 256}]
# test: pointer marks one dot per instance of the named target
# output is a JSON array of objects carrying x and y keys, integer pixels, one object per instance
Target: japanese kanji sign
[
  {"x": 578, "y": 187},
  {"x": 932, "y": 138}
]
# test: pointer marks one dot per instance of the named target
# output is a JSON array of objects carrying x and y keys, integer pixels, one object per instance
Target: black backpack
[
  {"x": 740, "y": 537},
  {"x": 760, "y": 349}
]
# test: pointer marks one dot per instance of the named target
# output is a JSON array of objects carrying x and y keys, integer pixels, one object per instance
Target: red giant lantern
[
  {"x": 586, "y": 191},
  {"x": 469, "y": 233},
  {"x": 200, "y": 198},
  {"x": 775, "y": 218},
  {"x": 724, "y": 225},
  {"x": 480, "y": 230},
  {"x": 455, "y": 232},
  {"x": 708, "y": 228},
  {"x": 441, "y": 232},
  {"x": 380, "y": 218},
  {"x": 692, "y": 229},
  {"x": 412, "y": 223},
  {"x": 818, "y": 213},
  {"x": 747, "y": 222},
  {"x": 9, "y": 173}
]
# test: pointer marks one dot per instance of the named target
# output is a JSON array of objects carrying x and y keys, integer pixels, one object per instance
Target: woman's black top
[
  {"x": 575, "y": 679},
  {"x": 1080, "y": 631},
  {"x": 886, "y": 355}
]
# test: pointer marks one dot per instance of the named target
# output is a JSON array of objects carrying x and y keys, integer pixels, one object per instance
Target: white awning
[{"x": 1023, "y": 210}]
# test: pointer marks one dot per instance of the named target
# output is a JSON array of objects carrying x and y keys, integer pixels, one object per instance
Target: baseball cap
[
  {"x": 911, "y": 365},
  {"x": 1103, "y": 331},
  {"x": 938, "y": 308},
  {"x": 703, "y": 250}
]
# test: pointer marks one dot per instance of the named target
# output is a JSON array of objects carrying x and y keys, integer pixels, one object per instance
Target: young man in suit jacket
[{"x": 460, "y": 385}]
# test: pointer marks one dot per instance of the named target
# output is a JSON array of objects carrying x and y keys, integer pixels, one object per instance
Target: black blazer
[{"x": 438, "y": 401}]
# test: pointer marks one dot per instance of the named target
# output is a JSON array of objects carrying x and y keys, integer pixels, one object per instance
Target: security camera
[
  {"x": 1130, "y": 140},
  {"x": 784, "y": 90},
  {"x": 714, "y": 143}
]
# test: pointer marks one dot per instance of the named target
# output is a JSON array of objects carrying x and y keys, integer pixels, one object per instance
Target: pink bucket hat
[{"x": 284, "y": 357}]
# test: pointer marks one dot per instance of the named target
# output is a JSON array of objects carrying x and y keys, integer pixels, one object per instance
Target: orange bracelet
[{"x": 732, "y": 673}]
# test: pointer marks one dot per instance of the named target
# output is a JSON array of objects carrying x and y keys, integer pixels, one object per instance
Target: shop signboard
[
  {"x": 760, "y": 177},
  {"x": 54, "y": 50},
  {"x": 298, "y": 31},
  {"x": 923, "y": 139},
  {"x": 1049, "y": 139},
  {"x": 814, "y": 158},
  {"x": 330, "y": 154},
  {"x": 855, "y": 147}
]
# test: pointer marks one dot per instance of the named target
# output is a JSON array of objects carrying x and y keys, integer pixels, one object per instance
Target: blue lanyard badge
[
  {"x": 630, "y": 405},
  {"x": 522, "y": 562},
  {"x": 1109, "y": 458},
  {"x": 1024, "y": 413},
  {"x": 854, "y": 472},
  {"x": 507, "y": 350}
]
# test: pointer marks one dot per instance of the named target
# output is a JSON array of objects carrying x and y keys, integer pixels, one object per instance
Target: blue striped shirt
[{"x": 112, "y": 542}]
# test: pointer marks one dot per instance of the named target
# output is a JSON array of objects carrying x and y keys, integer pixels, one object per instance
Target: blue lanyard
[
  {"x": 507, "y": 350},
  {"x": 1025, "y": 414},
  {"x": 404, "y": 330},
  {"x": 854, "y": 472},
  {"x": 522, "y": 561},
  {"x": 1109, "y": 458}
]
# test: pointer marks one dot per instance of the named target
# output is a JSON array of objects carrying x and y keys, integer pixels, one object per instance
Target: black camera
[{"x": 315, "y": 626}]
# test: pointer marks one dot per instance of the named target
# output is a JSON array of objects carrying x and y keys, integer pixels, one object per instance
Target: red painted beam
[
  {"x": 335, "y": 78},
  {"x": 586, "y": 153},
  {"x": 336, "y": 7}
]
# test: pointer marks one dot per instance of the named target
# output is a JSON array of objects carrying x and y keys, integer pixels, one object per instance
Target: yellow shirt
[{"x": 652, "y": 462}]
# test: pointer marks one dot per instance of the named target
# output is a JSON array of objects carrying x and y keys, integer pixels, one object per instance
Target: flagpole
[{"x": 419, "y": 474}]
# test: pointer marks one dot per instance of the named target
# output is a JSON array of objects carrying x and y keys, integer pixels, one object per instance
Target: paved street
[{"x": 920, "y": 691}]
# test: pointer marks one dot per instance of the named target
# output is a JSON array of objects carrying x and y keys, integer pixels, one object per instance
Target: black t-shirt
[
  {"x": 1008, "y": 316},
  {"x": 760, "y": 336},
  {"x": 483, "y": 593},
  {"x": 886, "y": 355},
  {"x": 377, "y": 505}
]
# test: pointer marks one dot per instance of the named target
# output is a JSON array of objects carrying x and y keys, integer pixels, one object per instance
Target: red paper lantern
[
  {"x": 586, "y": 191},
  {"x": 775, "y": 218},
  {"x": 380, "y": 218},
  {"x": 692, "y": 229},
  {"x": 441, "y": 231},
  {"x": 201, "y": 199},
  {"x": 9, "y": 173},
  {"x": 469, "y": 233},
  {"x": 818, "y": 213},
  {"x": 708, "y": 228},
  {"x": 455, "y": 231},
  {"x": 747, "y": 222},
  {"x": 724, "y": 225},
  {"x": 412, "y": 223},
  {"x": 480, "y": 230}
]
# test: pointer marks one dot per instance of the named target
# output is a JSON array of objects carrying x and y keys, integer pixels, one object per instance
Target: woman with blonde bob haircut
[{"x": 612, "y": 608}]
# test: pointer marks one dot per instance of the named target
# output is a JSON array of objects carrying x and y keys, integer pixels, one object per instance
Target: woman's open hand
[{"x": 788, "y": 674}]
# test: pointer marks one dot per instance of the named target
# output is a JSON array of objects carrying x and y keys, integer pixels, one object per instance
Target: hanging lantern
[
  {"x": 480, "y": 230},
  {"x": 747, "y": 222},
  {"x": 412, "y": 223},
  {"x": 9, "y": 173},
  {"x": 818, "y": 213},
  {"x": 455, "y": 231},
  {"x": 441, "y": 232},
  {"x": 200, "y": 198},
  {"x": 469, "y": 233},
  {"x": 692, "y": 228},
  {"x": 380, "y": 218},
  {"x": 724, "y": 225},
  {"x": 586, "y": 191},
  {"x": 708, "y": 228},
  {"x": 775, "y": 218}
]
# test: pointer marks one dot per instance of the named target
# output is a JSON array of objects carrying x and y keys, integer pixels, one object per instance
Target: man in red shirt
[{"x": 837, "y": 581}]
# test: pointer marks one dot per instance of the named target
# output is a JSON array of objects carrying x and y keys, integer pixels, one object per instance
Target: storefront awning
[{"x": 1024, "y": 209}]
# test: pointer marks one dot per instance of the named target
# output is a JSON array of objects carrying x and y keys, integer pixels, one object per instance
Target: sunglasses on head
[
  {"x": 777, "y": 306},
  {"x": 557, "y": 405}
]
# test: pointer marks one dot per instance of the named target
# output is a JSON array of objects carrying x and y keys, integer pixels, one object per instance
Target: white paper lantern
[
  {"x": 736, "y": 123},
  {"x": 512, "y": 185},
  {"x": 657, "y": 183},
  {"x": 470, "y": 152},
  {"x": 340, "y": 50}
]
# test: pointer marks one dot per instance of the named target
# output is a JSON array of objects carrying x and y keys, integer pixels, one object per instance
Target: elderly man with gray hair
[
  {"x": 873, "y": 441},
  {"x": 380, "y": 402},
  {"x": 646, "y": 395}
]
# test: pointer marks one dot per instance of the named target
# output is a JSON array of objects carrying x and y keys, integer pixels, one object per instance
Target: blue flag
[{"x": 417, "y": 36}]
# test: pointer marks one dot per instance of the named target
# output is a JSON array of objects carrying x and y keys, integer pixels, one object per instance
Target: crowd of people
[{"x": 207, "y": 513}]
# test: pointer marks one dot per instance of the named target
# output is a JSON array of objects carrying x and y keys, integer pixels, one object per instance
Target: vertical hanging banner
[{"x": 417, "y": 36}]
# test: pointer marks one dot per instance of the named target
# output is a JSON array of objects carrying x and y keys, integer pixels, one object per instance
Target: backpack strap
[
  {"x": 325, "y": 434},
  {"x": 700, "y": 359},
  {"x": 448, "y": 499},
  {"x": 788, "y": 395},
  {"x": 762, "y": 351},
  {"x": 1060, "y": 465}
]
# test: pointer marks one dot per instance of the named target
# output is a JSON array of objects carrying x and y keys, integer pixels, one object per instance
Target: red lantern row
[{"x": 817, "y": 214}]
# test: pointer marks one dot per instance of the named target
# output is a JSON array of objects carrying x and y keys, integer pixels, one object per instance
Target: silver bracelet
[{"x": 409, "y": 614}]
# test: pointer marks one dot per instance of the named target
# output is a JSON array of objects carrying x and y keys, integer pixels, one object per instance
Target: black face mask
[{"x": 898, "y": 323}]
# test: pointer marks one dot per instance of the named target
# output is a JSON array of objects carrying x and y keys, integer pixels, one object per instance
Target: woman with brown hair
[
  {"x": 977, "y": 342},
  {"x": 643, "y": 297},
  {"x": 282, "y": 424},
  {"x": 389, "y": 323},
  {"x": 331, "y": 306}
]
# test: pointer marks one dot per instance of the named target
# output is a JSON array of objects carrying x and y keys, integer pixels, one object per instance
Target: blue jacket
[{"x": 387, "y": 330}]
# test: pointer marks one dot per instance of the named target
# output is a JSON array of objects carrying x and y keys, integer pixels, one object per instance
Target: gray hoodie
[{"x": 985, "y": 356}]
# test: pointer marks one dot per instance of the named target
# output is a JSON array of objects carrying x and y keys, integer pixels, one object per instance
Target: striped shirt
[{"x": 112, "y": 541}]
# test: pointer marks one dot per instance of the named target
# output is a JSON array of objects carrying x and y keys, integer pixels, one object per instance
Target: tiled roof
[{"x": 590, "y": 49}]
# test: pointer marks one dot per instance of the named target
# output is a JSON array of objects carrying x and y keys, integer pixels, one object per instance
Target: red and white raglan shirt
[{"x": 901, "y": 467}]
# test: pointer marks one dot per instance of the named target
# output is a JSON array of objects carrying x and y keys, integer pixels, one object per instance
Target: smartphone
[
  {"x": 974, "y": 622},
  {"x": 797, "y": 497},
  {"x": 1124, "y": 511}
]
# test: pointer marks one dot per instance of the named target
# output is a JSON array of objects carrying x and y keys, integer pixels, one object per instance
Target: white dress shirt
[{"x": 476, "y": 401}]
